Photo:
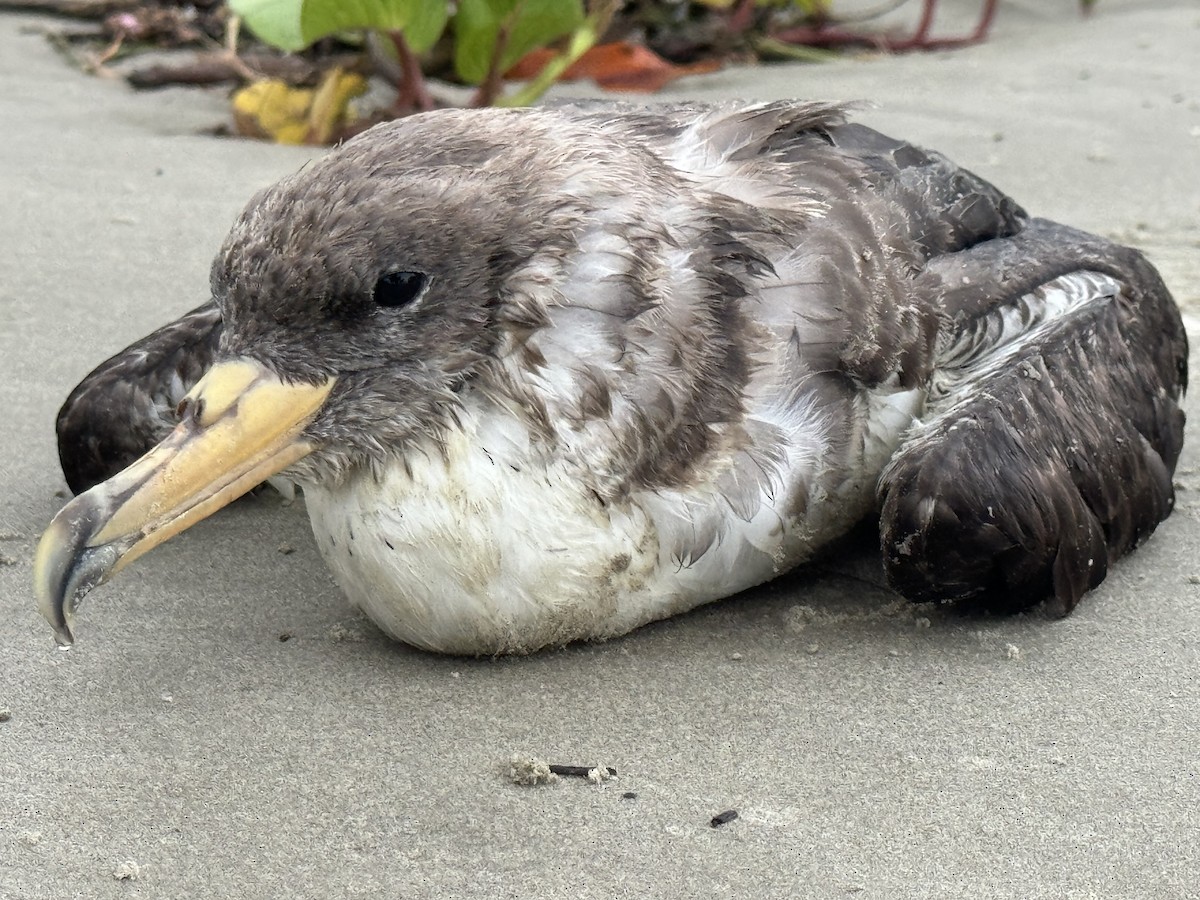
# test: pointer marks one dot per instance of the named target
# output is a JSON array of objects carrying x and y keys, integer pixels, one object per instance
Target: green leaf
[
  {"x": 294, "y": 24},
  {"x": 426, "y": 24},
  {"x": 583, "y": 39},
  {"x": 277, "y": 22},
  {"x": 527, "y": 24}
]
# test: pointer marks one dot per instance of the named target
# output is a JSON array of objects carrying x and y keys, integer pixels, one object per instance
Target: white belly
[
  {"x": 488, "y": 551},
  {"x": 473, "y": 556}
]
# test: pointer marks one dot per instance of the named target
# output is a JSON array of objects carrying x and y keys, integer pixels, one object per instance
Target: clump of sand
[
  {"x": 529, "y": 770},
  {"x": 601, "y": 774}
]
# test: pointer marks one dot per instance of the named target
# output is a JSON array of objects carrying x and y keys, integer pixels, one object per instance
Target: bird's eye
[{"x": 397, "y": 289}]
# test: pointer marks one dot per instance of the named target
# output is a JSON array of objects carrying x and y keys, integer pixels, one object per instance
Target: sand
[{"x": 871, "y": 750}]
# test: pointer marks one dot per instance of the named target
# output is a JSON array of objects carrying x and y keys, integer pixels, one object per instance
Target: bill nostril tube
[{"x": 189, "y": 407}]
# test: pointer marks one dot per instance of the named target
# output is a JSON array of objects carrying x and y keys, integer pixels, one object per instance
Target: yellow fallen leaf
[
  {"x": 272, "y": 109},
  {"x": 275, "y": 110},
  {"x": 331, "y": 104}
]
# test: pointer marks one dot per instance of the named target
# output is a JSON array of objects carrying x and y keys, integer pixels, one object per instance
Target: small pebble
[
  {"x": 735, "y": 656},
  {"x": 285, "y": 637},
  {"x": 5, "y": 714},
  {"x": 1012, "y": 651},
  {"x": 629, "y": 795},
  {"x": 723, "y": 818},
  {"x": 126, "y": 871}
]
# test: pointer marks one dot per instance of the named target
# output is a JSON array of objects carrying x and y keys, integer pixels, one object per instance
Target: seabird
[{"x": 550, "y": 374}]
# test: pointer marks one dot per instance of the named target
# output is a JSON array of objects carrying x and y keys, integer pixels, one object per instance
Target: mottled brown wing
[{"x": 1026, "y": 481}]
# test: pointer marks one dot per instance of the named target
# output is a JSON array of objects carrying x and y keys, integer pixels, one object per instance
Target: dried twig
[
  {"x": 578, "y": 771},
  {"x": 76, "y": 9},
  {"x": 220, "y": 67}
]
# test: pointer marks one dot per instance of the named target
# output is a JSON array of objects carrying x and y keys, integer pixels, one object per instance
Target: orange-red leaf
[{"x": 619, "y": 66}]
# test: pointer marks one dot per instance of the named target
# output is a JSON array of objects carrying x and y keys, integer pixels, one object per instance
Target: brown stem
[
  {"x": 985, "y": 21},
  {"x": 926, "y": 21},
  {"x": 812, "y": 36},
  {"x": 918, "y": 40},
  {"x": 921, "y": 40},
  {"x": 742, "y": 16},
  {"x": 493, "y": 83},
  {"x": 412, "y": 94}
]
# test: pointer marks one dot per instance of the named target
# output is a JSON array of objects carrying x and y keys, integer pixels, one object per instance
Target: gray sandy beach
[{"x": 227, "y": 726}]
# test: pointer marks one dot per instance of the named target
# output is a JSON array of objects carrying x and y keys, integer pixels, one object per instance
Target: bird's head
[
  {"x": 360, "y": 298},
  {"x": 380, "y": 281}
]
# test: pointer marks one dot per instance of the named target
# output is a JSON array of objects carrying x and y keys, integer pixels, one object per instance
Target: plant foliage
[
  {"x": 295, "y": 24},
  {"x": 489, "y": 34},
  {"x": 512, "y": 27}
]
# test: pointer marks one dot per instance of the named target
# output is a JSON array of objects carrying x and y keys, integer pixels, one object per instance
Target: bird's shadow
[
  {"x": 844, "y": 591},
  {"x": 842, "y": 594}
]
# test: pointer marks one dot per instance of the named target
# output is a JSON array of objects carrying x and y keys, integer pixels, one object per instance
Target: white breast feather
[{"x": 494, "y": 550}]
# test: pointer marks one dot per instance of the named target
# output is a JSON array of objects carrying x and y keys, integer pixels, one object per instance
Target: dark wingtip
[
  {"x": 87, "y": 455},
  {"x": 125, "y": 405}
]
